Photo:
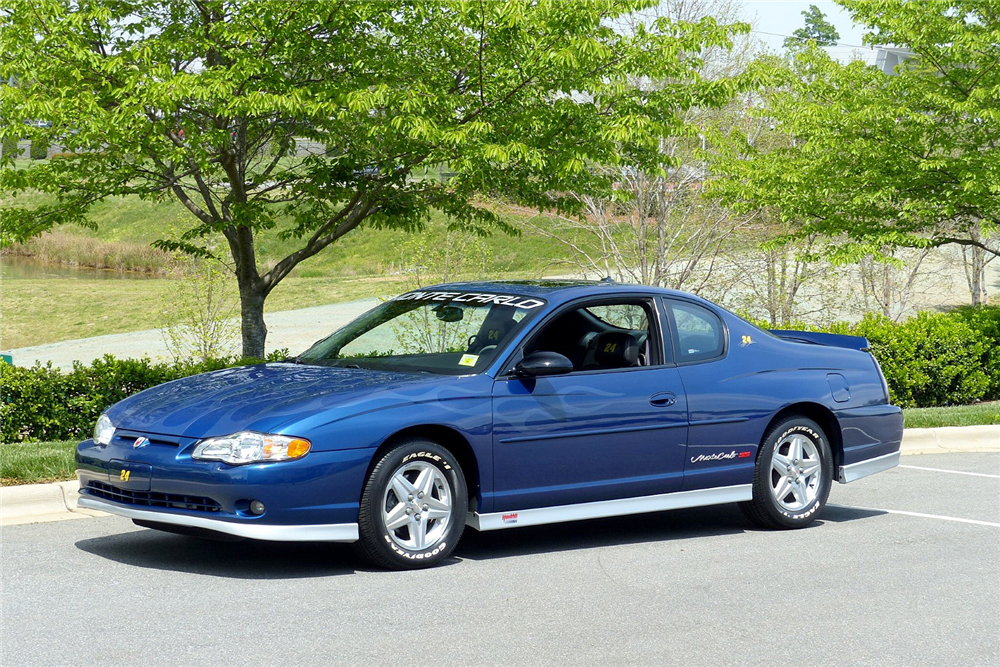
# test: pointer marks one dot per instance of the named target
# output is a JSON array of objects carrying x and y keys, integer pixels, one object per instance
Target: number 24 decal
[{"x": 124, "y": 475}]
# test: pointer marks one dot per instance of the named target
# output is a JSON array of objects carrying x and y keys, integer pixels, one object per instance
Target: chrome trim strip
[
  {"x": 727, "y": 420},
  {"x": 856, "y": 471},
  {"x": 605, "y": 508},
  {"x": 596, "y": 431},
  {"x": 332, "y": 532}
]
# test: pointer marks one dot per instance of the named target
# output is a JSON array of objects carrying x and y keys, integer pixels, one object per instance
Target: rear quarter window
[{"x": 698, "y": 333}]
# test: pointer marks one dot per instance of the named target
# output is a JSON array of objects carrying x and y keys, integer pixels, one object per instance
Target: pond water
[{"x": 23, "y": 268}]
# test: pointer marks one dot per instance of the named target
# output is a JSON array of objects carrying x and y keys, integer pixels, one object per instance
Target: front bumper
[
  {"x": 315, "y": 498},
  {"x": 334, "y": 532}
]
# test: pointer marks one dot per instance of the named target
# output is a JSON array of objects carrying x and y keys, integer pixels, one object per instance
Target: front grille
[
  {"x": 152, "y": 498},
  {"x": 125, "y": 438}
]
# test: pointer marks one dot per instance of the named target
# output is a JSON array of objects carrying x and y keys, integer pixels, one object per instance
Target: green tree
[
  {"x": 817, "y": 29},
  {"x": 880, "y": 160},
  {"x": 204, "y": 100}
]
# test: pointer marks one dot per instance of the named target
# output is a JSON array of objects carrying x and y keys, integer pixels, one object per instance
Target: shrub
[
  {"x": 985, "y": 320},
  {"x": 930, "y": 359},
  {"x": 43, "y": 403},
  {"x": 934, "y": 358},
  {"x": 10, "y": 146},
  {"x": 39, "y": 149}
]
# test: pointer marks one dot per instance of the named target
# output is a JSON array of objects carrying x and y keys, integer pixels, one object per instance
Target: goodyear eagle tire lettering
[
  {"x": 765, "y": 509},
  {"x": 403, "y": 464}
]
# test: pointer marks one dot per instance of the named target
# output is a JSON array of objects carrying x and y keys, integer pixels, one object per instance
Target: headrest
[
  {"x": 495, "y": 327},
  {"x": 617, "y": 349}
]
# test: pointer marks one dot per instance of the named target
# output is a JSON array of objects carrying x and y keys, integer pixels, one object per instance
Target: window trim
[
  {"x": 655, "y": 322},
  {"x": 675, "y": 338}
]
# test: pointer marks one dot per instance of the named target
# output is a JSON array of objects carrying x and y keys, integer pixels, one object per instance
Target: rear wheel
[
  {"x": 793, "y": 475},
  {"x": 413, "y": 507}
]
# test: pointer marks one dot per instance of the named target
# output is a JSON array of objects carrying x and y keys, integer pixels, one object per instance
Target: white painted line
[
  {"x": 954, "y": 472},
  {"x": 918, "y": 514}
]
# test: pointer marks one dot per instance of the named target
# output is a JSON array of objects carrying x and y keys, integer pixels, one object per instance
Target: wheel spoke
[
  {"x": 795, "y": 451},
  {"x": 436, "y": 513},
  {"x": 418, "y": 532},
  {"x": 780, "y": 463},
  {"x": 781, "y": 489},
  {"x": 799, "y": 491},
  {"x": 810, "y": 468},
  {"x": 425, "y": 481},
  {"x": 435, "y": 504},
  {"x": 397, "y": 517},
  {"x": 402, "y": 487}
]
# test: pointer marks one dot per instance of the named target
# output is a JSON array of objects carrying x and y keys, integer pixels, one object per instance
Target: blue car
[{"x": 496, "y": 405}]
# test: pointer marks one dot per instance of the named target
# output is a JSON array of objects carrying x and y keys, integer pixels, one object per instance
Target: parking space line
[
  {"x": 919, "y": 514},
  {"x": 954, "y": 472}
]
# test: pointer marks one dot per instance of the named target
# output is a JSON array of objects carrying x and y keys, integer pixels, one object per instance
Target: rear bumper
[
  {"x": 854, "y": 471},
  {"x": 333, "y": 532}
]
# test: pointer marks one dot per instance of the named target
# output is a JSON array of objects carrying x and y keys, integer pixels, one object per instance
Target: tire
[
  {"x": 787, "y": 494},
  {"x": 413, "y": 507}
]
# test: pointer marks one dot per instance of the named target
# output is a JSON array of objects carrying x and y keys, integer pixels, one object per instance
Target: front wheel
[
  {"x": 793, "y": 475},
  {"x": 413, "y": 507}
]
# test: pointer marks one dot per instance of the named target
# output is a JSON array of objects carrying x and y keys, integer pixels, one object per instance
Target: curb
[
  {"x": 36, "y": 503},
  {"x": 951, "y": 439}
]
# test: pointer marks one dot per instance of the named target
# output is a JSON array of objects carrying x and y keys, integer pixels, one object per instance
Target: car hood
[{"x": 265, "y": 398}]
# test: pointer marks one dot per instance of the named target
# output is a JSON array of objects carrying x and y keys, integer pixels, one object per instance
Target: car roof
[{"x": 556, "y": 290}]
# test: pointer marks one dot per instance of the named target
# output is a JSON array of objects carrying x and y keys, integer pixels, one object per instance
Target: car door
[
  {"x": 596, "y": 433},
  {"x": 723, "y": 401}
]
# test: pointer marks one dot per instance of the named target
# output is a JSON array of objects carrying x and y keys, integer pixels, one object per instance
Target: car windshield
[{"x": 450, "y": 333}]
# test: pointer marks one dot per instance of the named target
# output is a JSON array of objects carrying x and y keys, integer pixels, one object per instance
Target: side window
[
  {"x": 602, "y": 336},
  {"x": 698, "y": 333}
]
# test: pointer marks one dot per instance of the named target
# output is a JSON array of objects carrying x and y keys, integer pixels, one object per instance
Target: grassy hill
[{"x": 366, "y": 262}]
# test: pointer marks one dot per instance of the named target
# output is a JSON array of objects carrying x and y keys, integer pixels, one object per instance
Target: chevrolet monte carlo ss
[{"x": 496, "y": 405}]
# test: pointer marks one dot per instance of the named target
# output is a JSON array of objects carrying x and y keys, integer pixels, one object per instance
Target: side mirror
[{"x": 538, "y": 364}]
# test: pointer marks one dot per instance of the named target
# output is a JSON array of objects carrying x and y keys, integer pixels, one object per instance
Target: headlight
[
  {"x": 250, "y": 447},
  {"x": 104, "y": 430}
]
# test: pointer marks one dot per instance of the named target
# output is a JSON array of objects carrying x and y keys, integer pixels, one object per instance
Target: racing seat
[
  {"x": 494, "y": 329},
  {"x": 615, "y": 349}
]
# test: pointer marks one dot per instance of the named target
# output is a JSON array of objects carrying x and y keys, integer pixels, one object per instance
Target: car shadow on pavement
[
  {"x": 247, "y": 559},
  {"x": 632, "y": 529},
  {"x": 252, "y": 559},
  {"x": 695, "y": 523}
]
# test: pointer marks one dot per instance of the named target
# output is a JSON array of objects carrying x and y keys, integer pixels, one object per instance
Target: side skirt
[
  {"x": 605, "y": 508},
  {"x": 855, "y": 471}
]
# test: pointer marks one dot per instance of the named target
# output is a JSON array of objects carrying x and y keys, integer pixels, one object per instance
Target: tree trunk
[{"x": 254, "y": 331}]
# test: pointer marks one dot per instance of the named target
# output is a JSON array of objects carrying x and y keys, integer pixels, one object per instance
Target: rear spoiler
[{"x": 815, "y": 338}]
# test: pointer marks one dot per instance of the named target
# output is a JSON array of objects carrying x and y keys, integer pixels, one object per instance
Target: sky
[{"x": 782, "y": 17}]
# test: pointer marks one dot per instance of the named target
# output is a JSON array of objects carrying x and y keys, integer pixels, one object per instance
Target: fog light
[{"x": 256, "y": 507}]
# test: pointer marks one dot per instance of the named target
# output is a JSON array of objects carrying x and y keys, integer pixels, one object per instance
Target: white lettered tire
[
  {"x": 413, "y": 507},
  {"x": 792, "y": 476}
]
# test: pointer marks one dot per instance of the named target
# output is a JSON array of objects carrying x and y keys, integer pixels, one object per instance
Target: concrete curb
[
  {"x": 951, "y": 439},
  {"x": 35, "y": 503}
]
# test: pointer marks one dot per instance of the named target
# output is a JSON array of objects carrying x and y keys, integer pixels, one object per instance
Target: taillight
[{"x": 881, "y": 376}]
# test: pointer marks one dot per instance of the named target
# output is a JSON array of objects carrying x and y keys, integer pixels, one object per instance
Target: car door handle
[{"x": 663, "y": 399}]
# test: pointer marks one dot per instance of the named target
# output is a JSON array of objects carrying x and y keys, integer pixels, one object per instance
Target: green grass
[
  {"x": 957, "y": 415},
  {"x": 36, "y": 462},
  {"x": 364, "y": 252},
  {"x": 46, "y": 310}
]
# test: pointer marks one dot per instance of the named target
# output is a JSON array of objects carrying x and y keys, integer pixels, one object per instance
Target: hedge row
[
  {"x": 44, "y": 403},
  {"x": 931, "y": 359},
  {"x": 934, "y": 359}
]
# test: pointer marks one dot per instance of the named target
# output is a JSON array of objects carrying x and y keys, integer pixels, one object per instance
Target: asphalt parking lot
[{"x": 903, "y": 568}]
